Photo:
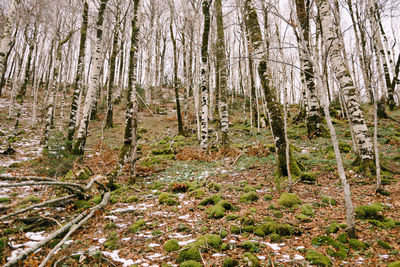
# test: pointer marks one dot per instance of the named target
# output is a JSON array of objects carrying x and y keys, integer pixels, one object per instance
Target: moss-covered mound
[
  {"x": 190, "y": 263},
  {"x": 189, "y": 253},
  {"x": 168, "y": 199},
  {"x": 136, "y": 226},
  {"x": 211, "y": 200},
  {"x": 316, "y": 258},
  {"x": 372, "y": 211},
  {"x": 249, "y": 259},
  {"x": 289, "y": 200},
  {"x": 229, "y": 262},
  {"x": 209, "y": 240},
  {"x": 171, "y": 245},
  {"x": 248, "y": 197}
]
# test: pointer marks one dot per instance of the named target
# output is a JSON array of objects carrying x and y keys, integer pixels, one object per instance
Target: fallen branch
[
  {"x": 25, "y": 178},
  {"x": 49, "y": 202},
  {"x": 80, "y": 187},
  {"x": 103, "y": 203},
  {"x": 75, "y": 221}
]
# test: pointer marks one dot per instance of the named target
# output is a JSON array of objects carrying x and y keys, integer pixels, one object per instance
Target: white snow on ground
[
  {"x": 261, "y": 257},
  {"x": 275, "y": 247},
  {"x": 184, "y": 217},
  {"x": 140, "y": 207},
  {"x": 179, "y": 235},
  {"x": 115, "y": 257},
  {"x": 298, "y": 257},
  {"x": 34, "y": 236},
  {"x": 184, "y": 243},
  {"x": 38, "y": 236},
  {"x": 153, "y": 245},
  {"x": 218, "y": 255}
]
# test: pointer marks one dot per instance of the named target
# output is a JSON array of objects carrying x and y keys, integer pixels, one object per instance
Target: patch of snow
[
  {"x": 112, "y": 217},
  {"x": 218, "y": 255},
  {"x": 122, "y": 225},
  {"x": 154, "y": 256},
  {"x": 298, "y": 257},
  {"x": 300, "y": 247},
  {"x": 115, "y": 257},
  {"x": 179, "y": 235},
  {"x": 384, "y": 256},
  {"x": 232, "y": 241},
  {"x": 275, "y": 247},
  {"x": 144, "y": 235},
  {"x": 184, "y": 243},
  {"x": 261, "y": 257},
  {"x": 69, "y": 242},
  {"x": 184, "y": 217},
  {"x": 152, "y": 245},
  {"x": 102, "y": 240}
]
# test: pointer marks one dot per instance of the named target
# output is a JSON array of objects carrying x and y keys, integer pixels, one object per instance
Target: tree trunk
[
  {"x": 346, "y": 84},
  {"x": 80, "y": 142},
  {"x": 222, "y": 74},
  {"x": 204, "y": 75}
]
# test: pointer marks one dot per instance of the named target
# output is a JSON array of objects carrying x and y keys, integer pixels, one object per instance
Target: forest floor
[{"x": 185, "y": 194}]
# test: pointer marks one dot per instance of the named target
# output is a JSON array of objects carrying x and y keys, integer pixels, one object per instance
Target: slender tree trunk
[
  {"x": 221, "y": 59},
  {"x": 204, "y": 75},
  {"x": 360, "y": 130},
  {"x": 79, "y": 77},
  {"x": 94, "y": 83},
  {"x": 176, "y": 89}
]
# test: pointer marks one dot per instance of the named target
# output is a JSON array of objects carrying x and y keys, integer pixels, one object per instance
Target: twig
[
  {"x": 76, "y": 227},
  {"x": 202, "y": 259},
  {"x": 49, "y": 202}
]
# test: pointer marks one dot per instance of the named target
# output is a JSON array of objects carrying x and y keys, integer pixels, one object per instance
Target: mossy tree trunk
[
  {"x": 176, "y": 89},
  {"x": 94, "y": 83},
  {"x": 314, "y": 118},
  {"x": 274, "y": 108},
  {"x": 222, "y": 74},
  {"x": 204, "y": 75},
  {"x": 128, "y": 152},
  {"x": 346, "y": 85},
  {"x": 79, "y": 77}
]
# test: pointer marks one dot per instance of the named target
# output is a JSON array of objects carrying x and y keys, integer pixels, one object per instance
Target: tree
[
  {"x": 346, "y": 84},
  {"x": 79, "y": 145}
]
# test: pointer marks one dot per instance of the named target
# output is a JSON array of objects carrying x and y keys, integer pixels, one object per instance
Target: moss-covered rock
[
  {"x": 249, "y": 259},
  {"x": 356, "y": 244},
  {"x": 131, "y": 199},
  {"x": 307, "y": 210},
  {"x": 316, "y": 258},
  {"x": 171, "y": 245},
  {"x": 278, "y": 214},
  {"x": 211, "y": 240},
  {"x": 198, "y": 193},
  {"x": 333, "y": 228},
  {"x": 282, "y": 229},
  {"x": 190, "y": 263},
  {"x": 248, "y": 197},
  {"x": 216, "y": 212},
  {"x": 235, "y": 229},
  {"x": 229, "y": 262},
  {"x": 246, "y": 220},
  {"x": 394, "y": 264},
  {"x": 211, "y": 200},
  {"x": 168, "y": 199},
  {"x": 135, "y": 227},
  {"x": 268, "y": 197},
  {"x": 328, "y": 200},
  {"x": 82, "y": 204},
  {"x": 248, "y": 188},
  {"x": 342, "y": 238},
  {"x": 308, "y": 178},
  {"x": 289, "y": 200},
  {"x": 223, "y": 234},
  {"x": 303, "y": 218},
  {"x": 231, "y": 217},
  {"x": 372, "y": 211},
  {"x": 250, "y": 246},
  {"x": 96, "y": 199},
  {"x": 3, "y": 244},
  {"x": 214, "y": 187},
  {"x": 190, "y": 253},
  {"x": 275, "y": 238}
]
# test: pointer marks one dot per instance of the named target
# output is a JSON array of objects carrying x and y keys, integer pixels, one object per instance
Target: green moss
[
  {"x": 248, "y": 197},
  {"x": 3, "y": 244},
  {"x": 308, "y": 178},
  {"x": 223, "y": 234},
  {"x": 333, "y": 228},
  {"x": 214, "y": 187},
  {"x": 171, "y": 245},
  {"x": 224, "y": 246},
  {"x": 235, "y": 229},
  {"x": 267, "y": 197},
  {"x": 251, "y": 260},
  {"x": 198, "y": 193},
  {"x": 216, "y": 212},
  {"x": 316, "y": 258},
  {"x": 275, "y": 238},
  {"x": 384, "y": 244},
  {"x": 211, "y": 240},
  {"x": 229, "y": 262},
  {"x": 289, "y": 200},
  {"x": 307, "y": 210},
  {"x": 112, "y": 241},
  {"x": 131, "y": 199},
  {"x": 190, "y": 263},
  {"x": 278, "y": 214},
  {"x": 96, "y": 199},
  {"x": 303, "y": 218},
  {"x": 231, "y": 217},
  {"x": 245, "y": 220},
  {"x": 342, "y": 238},
  {"x": 369, "y": 211},
  {"x": 190, "y": 253},
  {"x": 82, "y": 204},
  {"x": 248, "y": 228},
  {"x": 135, "y": 227},
  {"x": 110, "y": 226},
  {"x": 211, "y": 200},
  {"x": 356, "y": 244},
  {"x": 248, "y": 188},
  {"x": 328, "y": 200},
  {"x": 227, "y": 205},
  {"x": 168, "y": 199},
  {"x": 282, "y": 229},
  {"x": 5, "y": 200},
  {"x": 394, "y": 264},
  {"x": 250, "y": 246},
  {"x": 31, "y": 199}
]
